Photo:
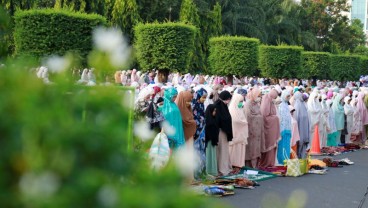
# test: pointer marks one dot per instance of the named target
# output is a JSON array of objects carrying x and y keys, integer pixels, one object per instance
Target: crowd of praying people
[
  {"x": 246, "y": 121},
  {"x": 250, "y": 123}
]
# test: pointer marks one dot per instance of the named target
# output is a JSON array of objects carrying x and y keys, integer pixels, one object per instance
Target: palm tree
[{"x": 243, "y": 17}]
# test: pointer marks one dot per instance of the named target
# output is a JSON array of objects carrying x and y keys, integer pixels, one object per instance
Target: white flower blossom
[
  {"x": 168, "y": 129},
  {"x": 111, "y": 40},
  {"x": 107, "y": 39},
  {"x": 120, "y": 55},
  {"x": 39, "y": 185},
  {"x": 127, "y": 99},
  {"x": 57, "y": 64},
  {"x": 186, "y": 159},
  {"x": 142, "y": 130},
  {"x": 107, "y": 196}
]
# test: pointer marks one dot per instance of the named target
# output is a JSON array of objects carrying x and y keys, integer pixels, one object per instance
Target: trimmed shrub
[
  {"x": 48, "y": 31},
  {"x": 345, "y": 67},
  {"x": 231, "y": 55},
  {"x": 280, "y": 61},
  {"x": 364, "y": 65},
  {"x": 165, "y": 46},
  {"x": 315, "y": 64}
]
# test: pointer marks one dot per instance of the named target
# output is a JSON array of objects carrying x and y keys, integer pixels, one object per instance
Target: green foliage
[
  {"x": 125, "y": 15},
  {"x": 326, "y": 20},
  {"x": 189, "y": 15},
  {"x": 364, "y": 65},
  {"x": 349, "y": 35},
  {"x": 45, "y": 32},
  {"x": 87, "y": 6},
  {"x": 5, "y": 34},
  {"x": 11, "y": 6},
  {"x": 233, "y": 55},
  {"x": 210, "y": 26},
  {"x": 361, "y": 50},
  {"x": 280, "y": 61},
  {"x": 345, "y": 67},
  {"x": 164, "y": 46},
  {"x": 64, "y": 145},
  {"x": 315, "y": 64},
  {"x": 159, "y": 10}
]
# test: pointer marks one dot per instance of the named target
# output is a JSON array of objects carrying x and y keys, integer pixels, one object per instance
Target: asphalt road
[{"x": 339, "y": 188}]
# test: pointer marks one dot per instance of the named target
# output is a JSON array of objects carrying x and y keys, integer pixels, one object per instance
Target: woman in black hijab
[
  {"x": 211, "y": 138},
  {"x": 223, "y": 122}
]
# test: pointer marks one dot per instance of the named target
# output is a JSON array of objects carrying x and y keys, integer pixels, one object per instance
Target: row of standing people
[{"x": 248, "y": 129}]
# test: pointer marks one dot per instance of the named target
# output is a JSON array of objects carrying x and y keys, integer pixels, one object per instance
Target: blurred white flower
[
  {"x": 107, "y": 196},
  {"x": 112, "y": 41},
  {"x": 107, "y": 39},
  {"x": 127, "y": 99},
  {"x": 186, "y": 159},
  {"x": 168, "y": 129},
  {"x": 57, "y": 64},
  {"x": 142, "y": 130},
  {"x": 120, "y": 55},
  {"x": 39, "y": 185}
]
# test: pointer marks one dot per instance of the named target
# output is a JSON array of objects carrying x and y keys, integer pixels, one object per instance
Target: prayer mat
[{"x": 260, "y": 176}]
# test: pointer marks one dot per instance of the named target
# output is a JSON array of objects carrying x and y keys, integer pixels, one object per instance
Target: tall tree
[
  {"x": 5, "y": 33},
  {"x": 189, "y": 14},
  {"x": 88, "y": 6},
  {"x": 159, "y": 10},
  {"x": 321, "y": 17},
  {"x": 125, "y": 15},
  {"x": 243, "y": 17},
  {"x": 348, "y": 36},
  {"x": 13, "y": 5},
  {"x": 210, "y": 24}
]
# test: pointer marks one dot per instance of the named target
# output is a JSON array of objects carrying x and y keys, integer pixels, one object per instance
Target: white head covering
[
  {"x": 180, "y": 88},
  {"x": 45, "y": 73},
  {"x": 329, "y": 102},
  {"x": 346, "y": 99},
  {"x": 314, "y": 109},
  {"x": 278, "y": 88},
  {"x": 40, "y": 71},
  {"x": 284, "y": 94},
  {"x": 144, "y": 93},
  {"x": 355, "y": 93},
  {"x": 135, "y": 84}
]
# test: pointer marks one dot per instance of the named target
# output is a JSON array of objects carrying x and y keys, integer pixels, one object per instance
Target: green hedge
[
  {"x": 165, "y": 46},
  {"x": 233, "y": 55},
  {"x": 364, "y": 65},
  {"x": 315, "y": 64},
  {"x": 280, "y": 61},
  {"x": 48, "y": 31},
  {"x": 345, "y": 67}
]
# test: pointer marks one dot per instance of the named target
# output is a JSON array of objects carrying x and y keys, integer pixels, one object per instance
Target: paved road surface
[{"x": 339, "y": 188}]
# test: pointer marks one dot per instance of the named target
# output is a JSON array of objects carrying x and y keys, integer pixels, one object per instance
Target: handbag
[
  {"x": 159, "y": 152},
  {"x": 293, "y": 166},
  {"x": 153, "y": 116},
  {"x": 303, "y": 166}
]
